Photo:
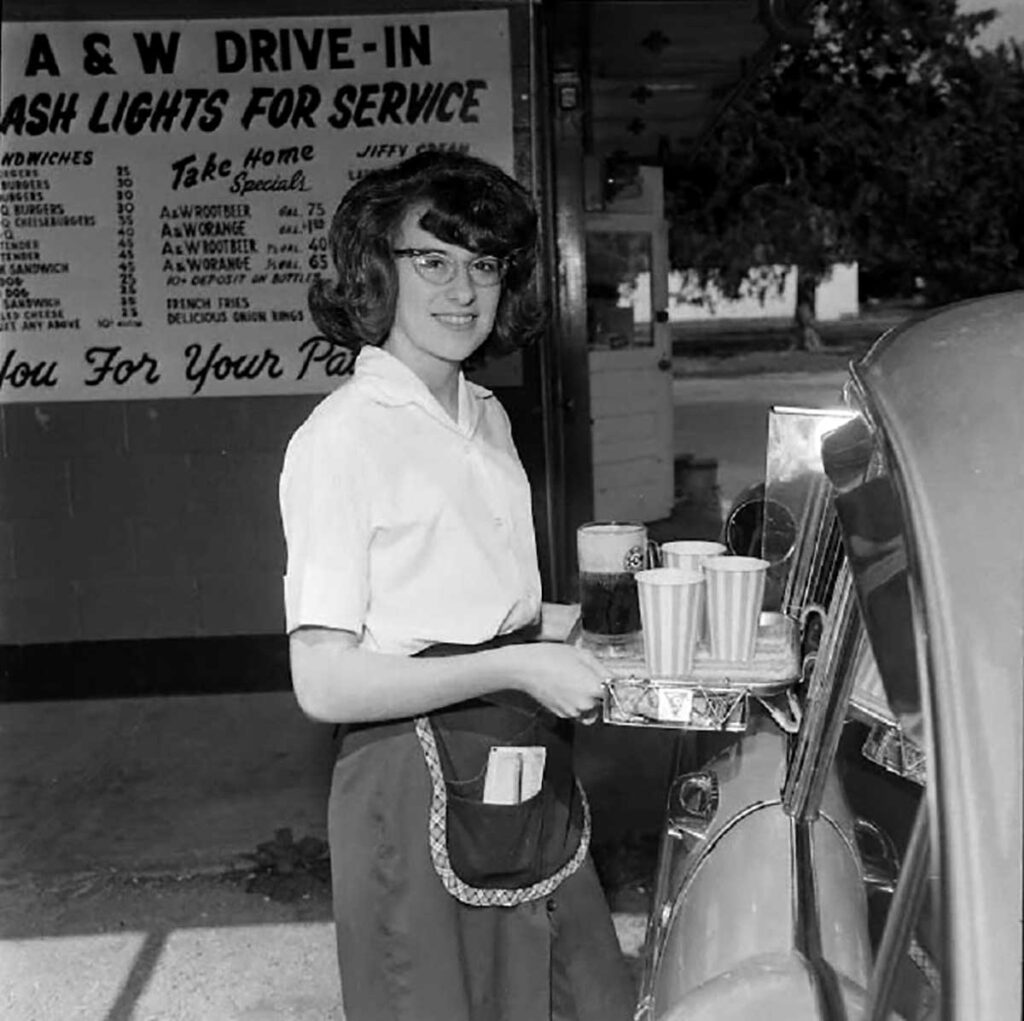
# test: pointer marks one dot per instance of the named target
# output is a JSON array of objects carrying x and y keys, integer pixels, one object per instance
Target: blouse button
[{"x": 551, "y": 905}]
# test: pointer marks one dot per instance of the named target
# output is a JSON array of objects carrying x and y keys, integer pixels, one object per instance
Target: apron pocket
[
  {"x": 498, "y": 846},
  {"x": 508, "y": 849},
  {"x": 464, "y": 750}
]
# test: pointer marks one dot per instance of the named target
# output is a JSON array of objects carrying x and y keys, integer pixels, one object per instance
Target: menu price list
[
  {"x": 211, "y": 265},
  {"x": 127, "y": 277},
  {"x": 202, "y": 247},
  {"x": 221, "y": 274},
  {"x": 28, "y": 210},
  {"x": 209, "y": 248}
]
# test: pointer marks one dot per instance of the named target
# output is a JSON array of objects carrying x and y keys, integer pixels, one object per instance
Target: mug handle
[{"x": 653, "y": 554}]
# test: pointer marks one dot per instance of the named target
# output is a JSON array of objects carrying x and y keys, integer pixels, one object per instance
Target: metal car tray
[{"x": 715, "y": 694}]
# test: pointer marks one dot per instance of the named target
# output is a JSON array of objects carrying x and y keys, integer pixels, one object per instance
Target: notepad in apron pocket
[{"x": 514, "y": 774}]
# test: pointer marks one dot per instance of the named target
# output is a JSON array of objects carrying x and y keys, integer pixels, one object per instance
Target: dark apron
[{"x": 406, "y": 948}]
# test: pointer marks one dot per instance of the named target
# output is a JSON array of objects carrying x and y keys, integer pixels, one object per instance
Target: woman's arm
[{"x": 337, "y": 682}]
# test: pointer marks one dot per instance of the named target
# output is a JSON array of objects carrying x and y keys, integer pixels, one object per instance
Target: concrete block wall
[{"x": 142, "y": 519}]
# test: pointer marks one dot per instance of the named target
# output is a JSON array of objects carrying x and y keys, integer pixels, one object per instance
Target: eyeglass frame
[{"x": 414, "y": 253}]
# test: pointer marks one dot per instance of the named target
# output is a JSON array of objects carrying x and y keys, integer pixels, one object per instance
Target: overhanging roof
[{"x": 660, "y": 72}]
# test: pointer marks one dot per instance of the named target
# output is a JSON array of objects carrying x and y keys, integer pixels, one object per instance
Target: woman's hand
[{"x": 564, "y": 679}]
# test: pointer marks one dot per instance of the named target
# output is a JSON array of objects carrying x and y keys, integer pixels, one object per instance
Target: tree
[{"x": 887, "y": 140}]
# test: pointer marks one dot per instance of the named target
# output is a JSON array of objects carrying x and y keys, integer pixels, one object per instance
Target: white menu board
[{"x": 166, "y": 187}]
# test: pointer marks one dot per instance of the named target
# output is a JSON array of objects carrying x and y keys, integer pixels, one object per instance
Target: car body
[{"x": 868, "y": 865}]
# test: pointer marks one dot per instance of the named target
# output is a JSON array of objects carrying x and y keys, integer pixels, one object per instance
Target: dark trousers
[{"x": 408, "y": 951}]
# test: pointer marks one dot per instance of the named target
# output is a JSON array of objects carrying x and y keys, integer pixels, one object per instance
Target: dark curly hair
[{"x": 470, "y": 203}]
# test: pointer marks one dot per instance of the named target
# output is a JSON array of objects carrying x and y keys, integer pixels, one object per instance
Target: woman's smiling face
[{"x": 437, "y": 323}]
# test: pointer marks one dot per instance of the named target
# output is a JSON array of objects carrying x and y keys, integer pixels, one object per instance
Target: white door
[{"x": 630, "y": 363}]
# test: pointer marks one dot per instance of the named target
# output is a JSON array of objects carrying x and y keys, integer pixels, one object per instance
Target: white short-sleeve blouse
[{"x": 402, "y": 525}]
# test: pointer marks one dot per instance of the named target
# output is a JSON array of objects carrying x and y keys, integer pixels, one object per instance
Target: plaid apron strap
[{"x": 476, "y": 896}]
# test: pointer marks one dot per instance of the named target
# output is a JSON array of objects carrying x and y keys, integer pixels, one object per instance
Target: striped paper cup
[
  {"x": 689, "y": 554},
  {"x": 735, "y": 590},
  {"x": 671, "y": 607}
]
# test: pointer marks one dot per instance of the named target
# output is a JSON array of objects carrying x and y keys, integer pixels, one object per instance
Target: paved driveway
[{"x": 726, "y": 418}]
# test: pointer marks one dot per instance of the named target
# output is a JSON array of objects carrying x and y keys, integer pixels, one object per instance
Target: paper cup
[
  {"x": 735, "y": 590},
  {"x": 671, "y": 607},
  {"x": 689, "y": 554}
]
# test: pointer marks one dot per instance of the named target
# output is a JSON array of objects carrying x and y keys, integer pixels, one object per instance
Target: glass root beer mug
[{"x": 609, "y": 554}]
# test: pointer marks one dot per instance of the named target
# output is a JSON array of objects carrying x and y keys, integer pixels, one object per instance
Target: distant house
[{"x": 837, "y": 298}]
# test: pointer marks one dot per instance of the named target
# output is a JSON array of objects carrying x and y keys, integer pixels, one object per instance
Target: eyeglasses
[{"x": 440, "y": 268}]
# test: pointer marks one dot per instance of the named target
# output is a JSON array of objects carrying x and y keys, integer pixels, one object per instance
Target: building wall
[
  {"x": 158, "y": 519},
  {"x": 142, "y": 519}
]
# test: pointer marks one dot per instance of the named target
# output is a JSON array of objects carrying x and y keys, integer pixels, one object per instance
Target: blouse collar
[{"x": 392, "y": 382}]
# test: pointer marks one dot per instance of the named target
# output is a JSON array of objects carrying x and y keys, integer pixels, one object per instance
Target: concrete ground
[
  {"x": 725, "y": 419},
  {"x": 114, "y": 947},
  {"x": 117, "y": 947},
  {"x": 125, "y": 824}
]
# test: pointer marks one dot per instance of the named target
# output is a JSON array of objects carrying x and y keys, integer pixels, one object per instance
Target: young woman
[{"x": 412, "y": 593}]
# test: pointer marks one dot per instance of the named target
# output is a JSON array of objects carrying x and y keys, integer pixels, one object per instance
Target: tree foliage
[{"x": 890, "y": 140}]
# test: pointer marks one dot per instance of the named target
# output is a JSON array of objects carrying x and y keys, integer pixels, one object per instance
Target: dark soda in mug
[
  {"x": 609, "y": 605},
  {"x": 609, "y": 555}
]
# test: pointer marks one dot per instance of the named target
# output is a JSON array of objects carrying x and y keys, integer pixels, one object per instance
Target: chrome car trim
[
  {"x": 801, "y": 923},
  {"x": 807, "y": 921},
  {"x": 705, "y": 849},
  {"x": 927, "y": 847},
  {"x": 887, "y": 746},
  {"x": 804, "y": 566},
  {"x": 644, "y": 1008},
  {"x": 878, "y": 871},
  {"x": 897, "y": 935},
  {"x": 690, "y": 828},
  {"x": 827, "y": 699},
  {"x": 903, "y": 912},
  {"x": 689, "y": 821},
  {"x": 841, "y": 832},
  {"x": 668, "y": 903}
]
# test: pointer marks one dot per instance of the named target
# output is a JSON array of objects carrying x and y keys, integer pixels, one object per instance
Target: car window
[
  {"x": 848, "y": 581},
  {"x": 870, "y": 519},
  {"x": 880, "y": 757}
]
